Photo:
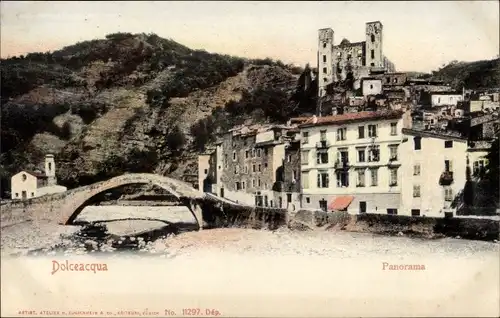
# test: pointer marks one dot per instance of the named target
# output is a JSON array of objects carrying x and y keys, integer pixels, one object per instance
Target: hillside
[
  {"x": 132, "y": 102},
  {"x": 473, "y": 75}
]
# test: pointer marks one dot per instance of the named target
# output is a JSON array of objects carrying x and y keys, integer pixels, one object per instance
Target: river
[{"x": 244, "y": 272}]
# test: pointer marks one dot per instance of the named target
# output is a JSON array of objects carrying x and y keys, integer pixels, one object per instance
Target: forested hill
[
  {"x": 482, "y": 74},
  {"x": 134, "y": 102}
]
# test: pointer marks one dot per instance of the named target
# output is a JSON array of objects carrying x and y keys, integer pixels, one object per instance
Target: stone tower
[
  {"x": 374, "y": 55},
  {"x": 325, "y": 62},
  {"x": 50, "y": 170}
]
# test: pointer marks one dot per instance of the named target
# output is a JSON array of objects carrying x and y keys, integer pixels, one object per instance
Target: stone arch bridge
[{"x": 63, "y": 208}]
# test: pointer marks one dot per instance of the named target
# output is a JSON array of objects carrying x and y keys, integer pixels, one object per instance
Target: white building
[
  {"x": 445, "y": 99},
  {"x": 29, "y": 184},
  {"x": 434, "y": 170},
  {"x": 352, "y": 161},
  {"x": 371, "y": 86}
]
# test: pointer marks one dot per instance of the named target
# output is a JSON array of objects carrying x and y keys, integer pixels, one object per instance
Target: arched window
[{"x": 373, "y": 38}]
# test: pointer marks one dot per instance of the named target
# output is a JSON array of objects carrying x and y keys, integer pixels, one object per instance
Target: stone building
[
  {"x": 350, "y": 60},
  {"x": 28, "y": 184},
  {"x": 248, "y": 165}
]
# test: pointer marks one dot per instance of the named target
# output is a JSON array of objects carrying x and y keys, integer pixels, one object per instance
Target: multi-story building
[
  {"x": 338, "y": 62},
  {"x": 248, "y": 166},
  {"x": 351, "y": 161},
  {"x": 434, "y": 172}
]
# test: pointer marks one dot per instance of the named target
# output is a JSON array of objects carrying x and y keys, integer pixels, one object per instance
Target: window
[
  {"x": 393, "y": 152},
  {"x": 288, "y": 158},
  {"x": 341, "y": 133},
  {"x": 361, "y": 155},
  {"x": 415, "y": 212},
  {"x": 305, "y": 137},
  {"x": 308, "y": 200},
  {"x": 394, "y": 129},
  {"x": 258, "y": 153},
  {"x": 322, "y": 156},
  {"x": 322, "y": 179},
  {"x": 448, "y": 167},
  {"x": 448, "y": 194},
  {"x": 393, "y": 177},
  {"x": 372, "y": 131},
  {"x": 417, "y": 143},
  {"x": 234, "y": 155},
  {"x": 323, "y": 205},
  {"x": 322, "y": 135},
  {"x": 416, "y": 169},
  {"x": 294, "y": 174},
  {"x": 374, "y": 154},
  {"x": 265, "y": 151},
  {"x": 258, "y": 183},
  {"x": 325, "y": 79},
  {"x": 371, "y": 86},
  {"x": 246, "y": 169},
  {"x": 32, "y": 193},
  {"x": 342, "y": 179},
  {"x": 243, "y": 185},
  {"x": 206, "y": 171},
  {"x": 305, "y": 180},
  {"x": 288, "y": 197},
  {"x": 225, "y": 161},
  {"x": 17, "y": 195},
  {"x": 361, "y": 132},
  {"x": 238, "y": 186},
  {"x": 392, "y": 211},
  {"x": 372, "y": 38},
  {"x": 477, "y": 167},
  {"x": 50, "y": 168},
  {"x": 372, "y": 64},
  {"x": 253, "y": 183},
  {"x": 265, "y": 165},
  {"x": 388, "y": 80},
  {"x": 374, "y": 177},
  {"x": 395, "y": 80},
  {"x": 304, "y": 157},
  {"x": 416, "y": 191},
  {"x": 260, "y": 168},
  {"x": 24, "y": 177},
  {"x": 236, "y": 169},
  {"x": 361, "y": 178},
  {"x": 253, "y": 153},
  {"x": 324, "y": 59},
  {"x": 343, "y": 155},
  {"x": 247, "y": 154},
  {"x": 373, "y": 54},
  {"x": 448, "y": 144},
  {"x": 253, "y": 168},
  {"x": 324, "y": 44},
  {"x": 324, "y": 70}
]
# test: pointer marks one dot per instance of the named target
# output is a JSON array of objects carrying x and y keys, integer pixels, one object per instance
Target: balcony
[
  {"x": 393, "y": 161},
  {"x": 322, "y": 144},
  {"x": 446, "y": 178},
  {"x": 342, "y": 164}
]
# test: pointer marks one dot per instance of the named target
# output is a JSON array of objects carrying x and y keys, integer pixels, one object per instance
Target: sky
[{"x": 418, "y": 36}]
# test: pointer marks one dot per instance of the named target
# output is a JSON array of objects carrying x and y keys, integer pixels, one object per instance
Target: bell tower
[{"x": 50, "y": 169}]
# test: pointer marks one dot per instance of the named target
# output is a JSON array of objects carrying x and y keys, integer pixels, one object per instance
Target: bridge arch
[{"x": 78, "y": 200}]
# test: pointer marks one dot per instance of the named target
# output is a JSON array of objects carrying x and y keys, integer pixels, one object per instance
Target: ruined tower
[
  {"x": 325, "y": 63},
  {"x": 374, "y": 55},
  {"x": 50, "y": 170}
]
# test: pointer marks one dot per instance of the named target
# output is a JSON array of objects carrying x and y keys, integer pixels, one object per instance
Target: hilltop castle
[{"x": 359, "y": 59}]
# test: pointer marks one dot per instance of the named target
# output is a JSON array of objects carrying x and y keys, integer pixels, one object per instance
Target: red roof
[
  {"x": 353, "y": 117},
  {"x": 340, "y": 203}
]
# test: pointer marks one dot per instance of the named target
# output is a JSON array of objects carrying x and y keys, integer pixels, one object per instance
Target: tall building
[
  {"x": 338, "y": 62},
  {"x": 352, "y": 161}
]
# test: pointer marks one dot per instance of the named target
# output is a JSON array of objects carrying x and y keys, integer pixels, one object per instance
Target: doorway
[
  {"x": 24, "y": 195},
  {"x": 362, "y": 207}
]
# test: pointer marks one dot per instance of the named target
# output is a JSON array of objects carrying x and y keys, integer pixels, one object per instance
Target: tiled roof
[{"x": 353, "y": 117}]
